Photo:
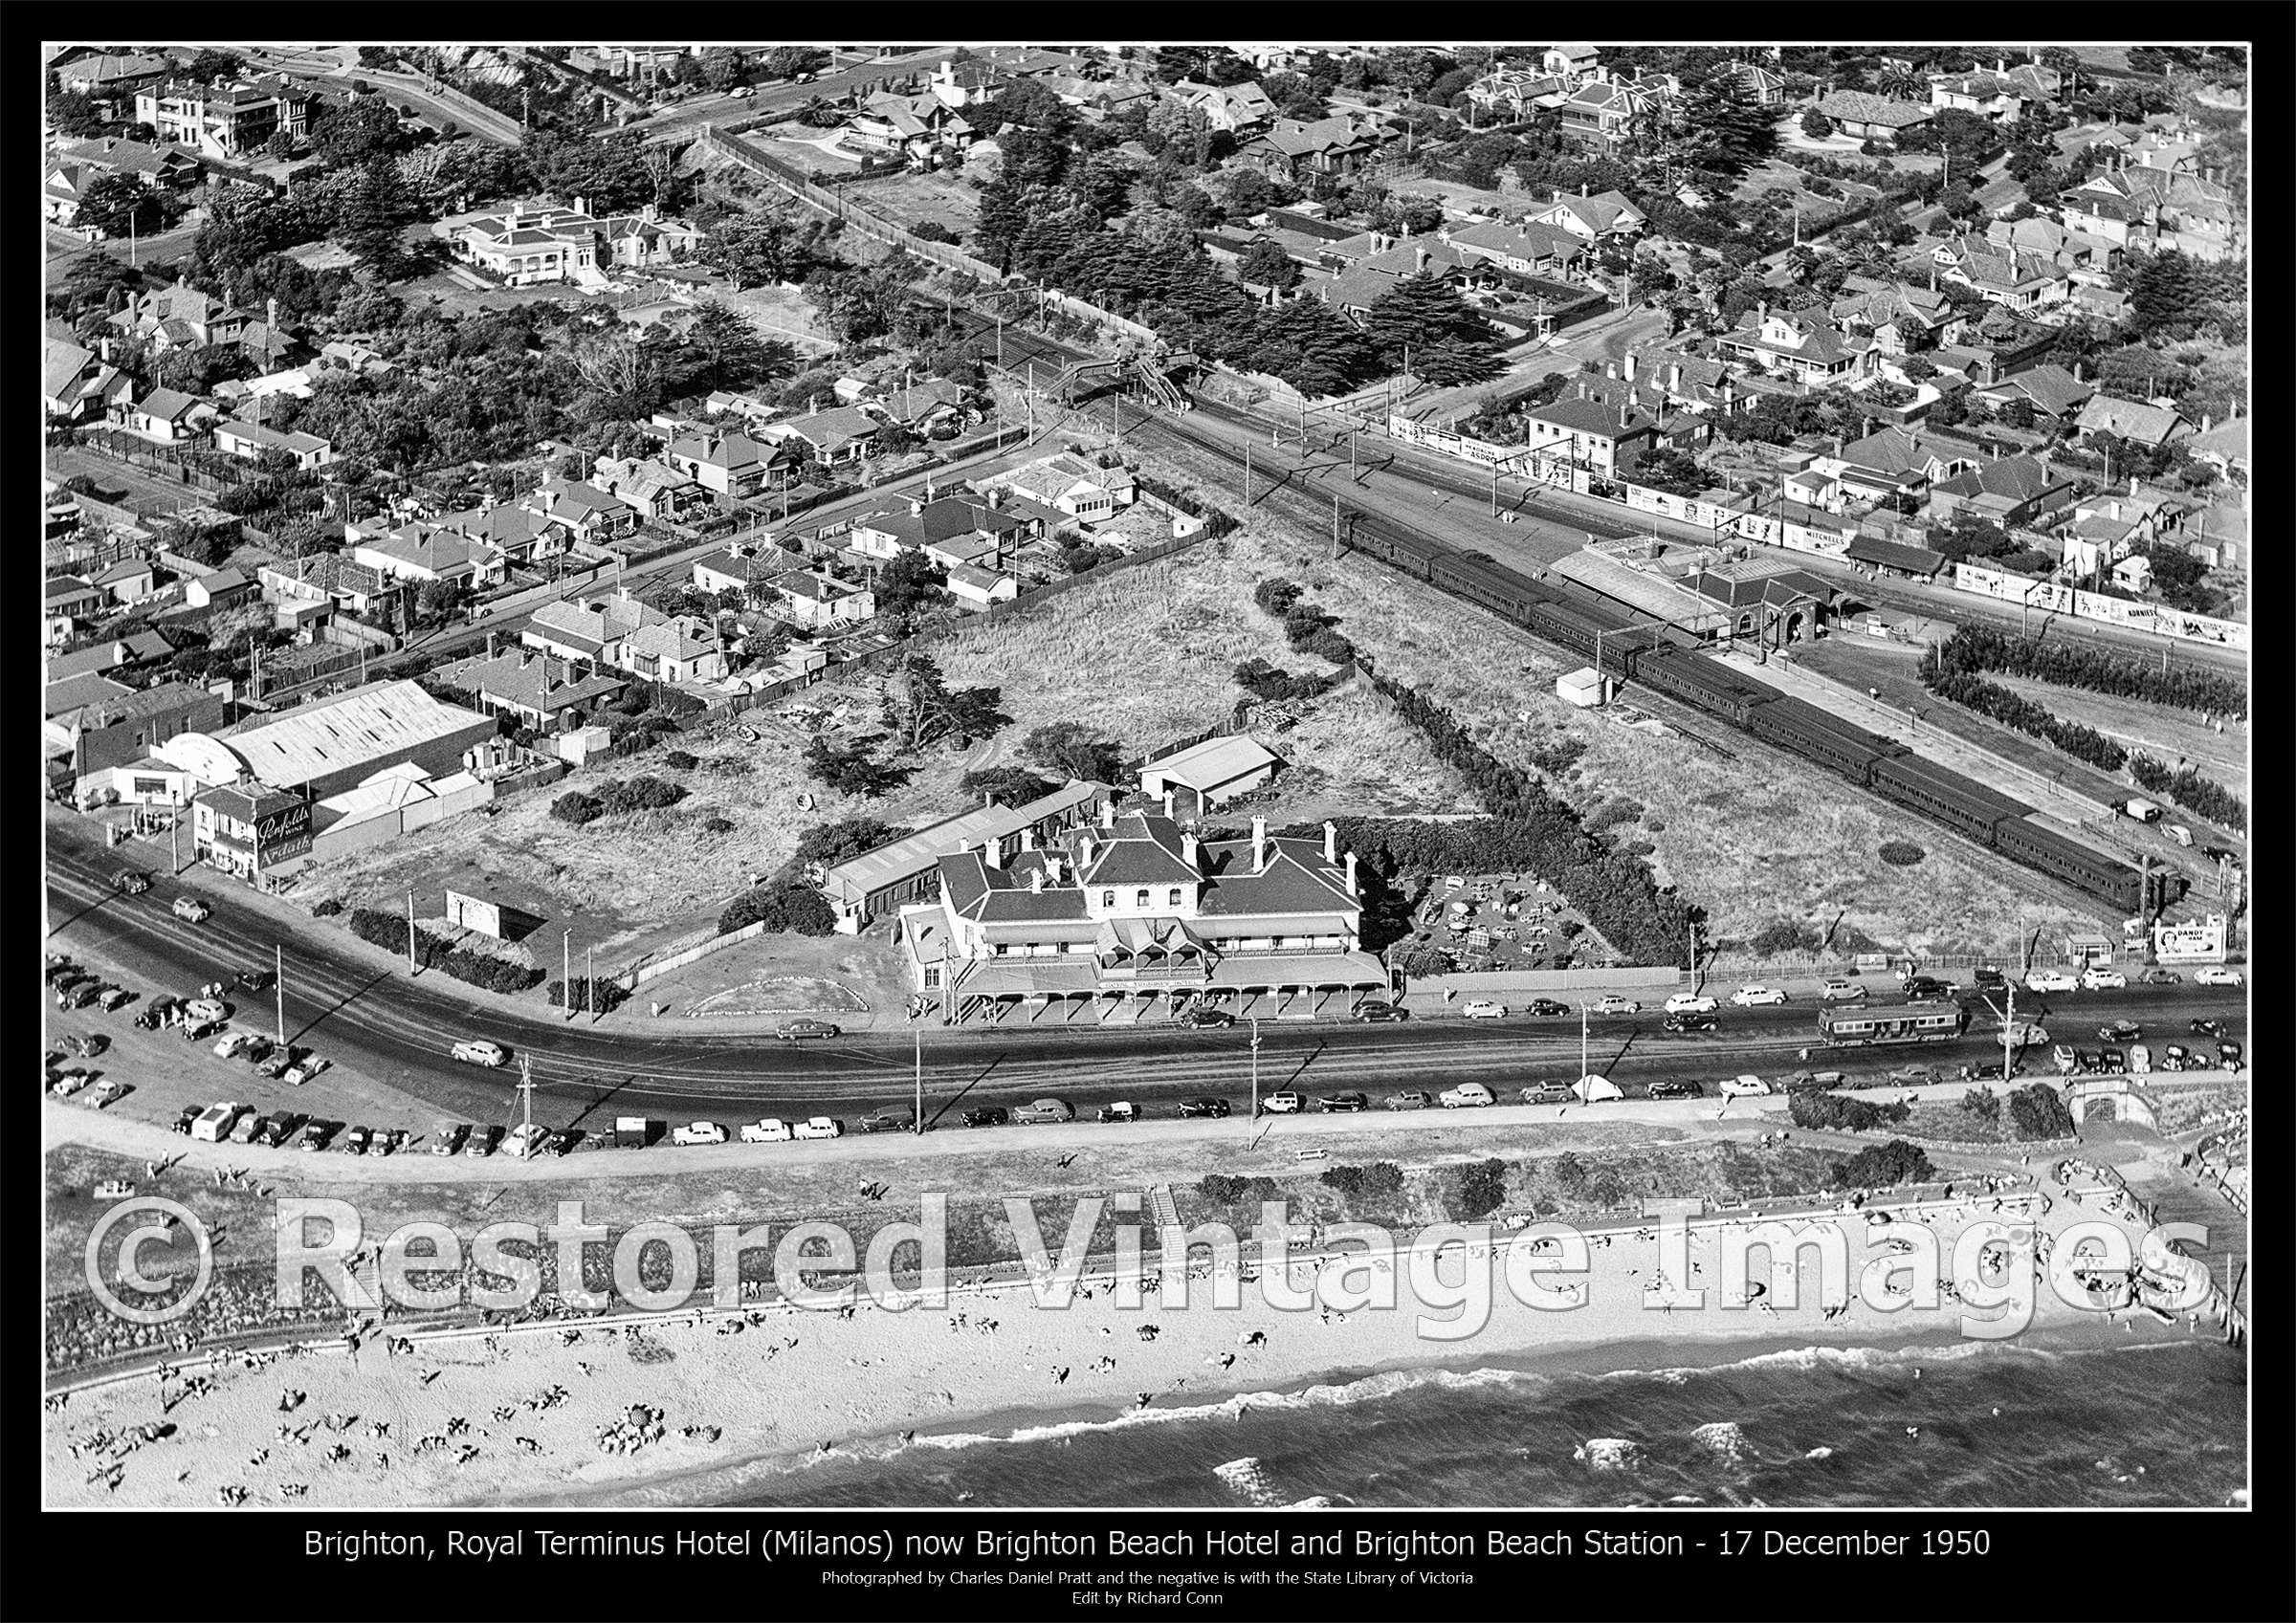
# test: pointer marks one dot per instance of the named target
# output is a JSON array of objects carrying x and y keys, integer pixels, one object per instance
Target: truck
[
  {"x": 2143, "y": 811},
  {"x": 212, "y": 1125},
  {"x": 632, "y": 1132}
]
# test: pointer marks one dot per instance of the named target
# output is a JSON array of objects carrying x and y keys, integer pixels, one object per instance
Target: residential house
[
  {"x": 940, "y": 523},
  {"x": 117, "y": 656},
  {"x": 168, "y": 416},
  {"x": 520, "y": 535},
  {"x": 1355, "y": 288},
  {"x": 225, "y": 588},
  {"x": 2156, "y": 211},
  {"x": 921, "y": 405},
  {"x": 843, "y": 434},
  {"x": 1766, "y": 86},
  {"x": 1240, "y": 109},
  {"x": 129, "y": 581},
  {"x": 918, "y": 128},
  {"x": 1515, "y": 94},
  {"x": 738, "y": 568},
  {"x": 654, "y": 488},
  {"x": 818, "y": 601},
  {"x": 71, "y": 596},
  {"x": 876, "y": 881},
  {"x": 2001, "y": 275},
  {"x": 1072, "y": 486},
  {"x": 2223, "y": 446},
  {"x": 2070, "y": 251},
  {"x": 1601, "y": 217},
  {"x": 1873, "y": 118},
  {"x": 179, "y": 318},
  {"x": 1798, "y": 346},
  {"x": 252, "y": 440},
  {"x": 421, "y": 553},
  {"x": 1606, "y": 114},
  {"x": 958, "y": 85},
  {"x": 2052, "y": 391},
  {"x": 1523, "y": 250},
  {"x": 353, "y": 357},
  {"x": 2136, "y": 421},
  {"x": 1892, "y": 462},
  {"x": 1995, "y": 98},
  {"x": 1576, "y": 63},
  {"x": 226, "y": 121},
  {"x": 2012, "y": 492},
  {"x": 1605, "y": 439},
  {"x": 113, "y": 79},
  {"x": 533, "y": 243},
  {"x": 1900, "y": 320},
  {"x": 725, "y": 465},
  {"x": 623, "y": 633},
  {"x": 677, "y": 647},
  {"x": 588, "y": 514},
  {"x": 74, "y": 386},
  {"x": 336, "y": 583},
  {"x": 976, "y": 587},
  {"x": 166, "y": 168},
  {"x": 1290, "y": 149}
]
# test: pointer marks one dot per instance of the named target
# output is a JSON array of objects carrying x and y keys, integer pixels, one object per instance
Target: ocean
[{"x": 2155, "y": 1423}]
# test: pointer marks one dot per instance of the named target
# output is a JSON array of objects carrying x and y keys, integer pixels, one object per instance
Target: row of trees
[
  {"x": 1991, "y": 699},
  {"x": 2186, "y": 787},
  {"x": 2075, "y": 664}
]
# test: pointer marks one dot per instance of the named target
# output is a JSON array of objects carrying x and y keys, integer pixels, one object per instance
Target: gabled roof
[
  {"x": 1295, "y": 881},
  {"x": 1592, "y": 417},
  {"x": 1857, "y": 107},
  {"x": 329, "y": 735},
  {"x": 2020, "y": 478},
  {"x": 2049, "y": 386},
  {"x": 2129, "y": 419},
  {"x": 1214, "y": 761},
  {"x": 168, "y": 404}
]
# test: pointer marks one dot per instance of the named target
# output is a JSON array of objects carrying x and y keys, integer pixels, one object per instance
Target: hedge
[
  {"x": 2205, "y": 796},
  {"x": 1884, "y": 1166},
  {"x": 1990, "y": 699},
  {"x": 1814, "y": 1110},
  {"x": 610, "y": 995},
  {"x": 1975, "y": 648},
  {"x": 789, "y": 907},
  {"x": 388, "y": 931}
]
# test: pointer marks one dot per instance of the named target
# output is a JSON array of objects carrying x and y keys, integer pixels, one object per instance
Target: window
[
  {"x": 1108, "y": 898},
  {"x": 932, "y": 976},
  {"x": 1139, "y": 898},
  {"x": 1173, "y": 901}
]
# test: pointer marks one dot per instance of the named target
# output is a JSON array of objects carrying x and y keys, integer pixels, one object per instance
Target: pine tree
[{"x": 1447, "y": 343}]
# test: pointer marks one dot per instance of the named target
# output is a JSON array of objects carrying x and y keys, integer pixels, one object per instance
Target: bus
[{"x": 1844, "y": 1025}]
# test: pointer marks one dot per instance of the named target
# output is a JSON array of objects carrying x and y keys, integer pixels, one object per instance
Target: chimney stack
[
  {"x": 1259, "y": 844},
  {"x": 1167, "y": 803},
  {"x": 1107, "y": 812},
  {"x": 1420, "y": 255},
  {"x": 1084, "y": 854},
  {"x": 1036, "y": 881},
  {"x": 1187, "y": 848},
  {"x": 1351, "y": 874},
  {"x": 1330, "y": 841},
  {"x": 1674, "y": 378},
  {"x": 1027, "y": 839},
  {"x": 1630, "y": 365},
  {"x": 992, "y": 852}
]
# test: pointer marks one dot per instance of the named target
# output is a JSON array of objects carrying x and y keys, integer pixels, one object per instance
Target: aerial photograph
[{"x": 1134, "y": 775}]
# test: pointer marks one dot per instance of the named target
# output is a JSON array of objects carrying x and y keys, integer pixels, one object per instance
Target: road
[
  {"x": 65, "y": 249},
  {"x": 428, "y": 99},
  {"x": 682, "y": 119},
  {"x": 376, "y": 1022}
]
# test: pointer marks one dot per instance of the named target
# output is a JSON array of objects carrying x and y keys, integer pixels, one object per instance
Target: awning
[
  {"x": 1030, "y": 979},
  {"x": 1306, "y": 970}
]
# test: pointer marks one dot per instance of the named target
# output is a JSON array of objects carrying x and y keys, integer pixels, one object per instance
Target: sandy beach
[{"x": 514, "y": 1417}]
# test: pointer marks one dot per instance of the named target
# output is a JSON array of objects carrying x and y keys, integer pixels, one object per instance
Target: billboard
[
  {"x": 2051, "y": 598},
  {"x": 472, "y": 914},
  {"x": 283, "y": 833},
  {"x": 2199, "y": 942}
]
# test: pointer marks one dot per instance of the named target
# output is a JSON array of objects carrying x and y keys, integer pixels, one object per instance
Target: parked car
[
  {"x": 154, "y": 1014},
  {"x": 1743, "y": 1088},
  {"x": 446, "y": 1137},
  {"x": 1045, "y": 1111},
  {"x": 1988, "y": 978},
  {"x": 1466, "y": 1095},
  {"x": 770, "y": 1131},
  {"x": 1918, "y": 987},
  {"x": 1671, "y": 1089},
  {"x": 1282, "y": 1104},
  {"x": 794, "y": 1031},
  {"x": 1380, "y": 1012},
  {"x": 353, "y": 1141},
  {"x": 230, "y": 1047},
  {"x": 2140, "y": 1060},
  {"x": 2051, "y": 980},
  {"x": 1841, "y": 991},
  {"x": 1691, "y": 1003},
  {"x": 314, "y": 1136},
  {"x": 817, "y": 1127},
  {"x": 482, "y": 1141},
  {"x": 1192, "y": 1108},
  {"x": 84, "y": 993},
  {"x": 1200, "y": 1018},
  {"x": 131, "y": 882},
  {"x": 192, "y": 910},
  {"x": 206, "y": 1009},
  {"x": 1614, "y": 1004},
  {"x": 2175, "y": 1057},
  {"x": 1547, "y": 1093},
  {"x": 68, "y": 1083},
  {"x": 1483, "y": 1009},
  {"x": 1756, "y": 996},
  {"x": 2208, "y": 1029},
  {"x": 1690, "y": 1023},
  {"x": 184, "y": 1119},
  {"x": 2065, "y": 1057},
  {"x": 2126, "y": 1031},
  {"x": 117, "y": 999},
  {"x": 2111, "y": 1061},
  {"x": 2216, "y": 975},
  {"x": 480, "y": 1053},
  {"x": 991, "y": 1115},
  {"x": 1410, "y": 1099},
  {"x": 2161, "y": 977},
  {"x": 1335, "y": 1103},
  {"x": 2102, "y": 980},
  {"x": 883, "y": 1121},
  {"x": 697, "y": 1132},
  {"x": 1119, "y": 1111},
  {"x": 2228, "y": 1055}
]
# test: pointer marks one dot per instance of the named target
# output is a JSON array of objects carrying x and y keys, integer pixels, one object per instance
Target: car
[
  {"x": 1379, "y": 1012},
  {"x": 1743, "y": 1086},
  {"x": 2175, "y": 1057},
  {"x": 446, "y": 1137},
  {"x": 479, "y": 1052},
  {"x": 390, "y": 1141},
  {"x": 1410, "y": 1099},
  {"x": 1282, "y": 1104},
  {"x": 1690, "y": 1023},
  {"x": 1332, "y": 1103},
  {"x": 1691, "y": 1003},
  {"x": 117, "y": 999},
  {"x": 1466, "y": 1095},
  {"x": 2102, "y": 980},
  {"x": 2065, "y": 1059},
  {"x": 819, "y": 1127},
  {"x": 1483, "y": 1009},
  {"x": 1668, "y": 1089},
  {"x": 154, "y": 1015},
  {"x": 1614, "y": 1004},
  {"x": 68, "y": 1083},
  {"x": 230, "y": 1047},
  {"x": 2228, "y": 1054},
  {"x": 353, "y": 1141},
  {"x": 1547, "y": 1093},
  {"x": 2124, "y": 1031},
  {"x": 2111, "y": 1061},
  {"x": 1918, "y": 987},
  {"x": 1119, "y": 1111},
  {"x": 482, "y": 1141},
  {"x": 184, "y": 1119},
  {"x": 192, "y": 910},
  {"x": 1841, "y": 991},
  {"x": 883, "y": 1121},
  {"x": 2051, "y": 980},
  {"x": 81, "y": 996},
  {"x": 206, "y": 1010},
  {"x": 2091, "y": 1060},
  {"x": 697, "y": 1132},
  {"x": 993, "y": 1115},
  {"x": 1041, "y": 1112},
  {"x": 1197, "y": 1108},
  {"x": 1545, "y": 1008},
  {"x": 58, "y": 970},
  {"x": 1916, "y": 1076},
  {"x": 1982, "y": 1072},
  {"x": 771, "y": 1131},
  {"x": 2140, "y": 1060},
  {"x": 256, "y": 980},
  {"x": 1202, "y": 1019},
  {"x": 562, "y": 1140},
  {"x": 2216, "y": 975},
  {"x": 1988, "y": 978},
  {"x": 314, "y": 1136},
  {"x": 1755, "y": 996},
  {"x": 2160, "y": 978},
  {"x": 795, "y": 1031},
  {"x": 131, "y": 882},
  {"x": 2208, "y": 1029}
]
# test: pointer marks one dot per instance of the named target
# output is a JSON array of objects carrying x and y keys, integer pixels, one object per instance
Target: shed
[
  {"x": 1215, "y": 771},
  {"x": 1584, "y": 687}
]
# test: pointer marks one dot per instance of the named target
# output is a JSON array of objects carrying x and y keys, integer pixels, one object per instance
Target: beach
[{"x": 513, "y": 1417}]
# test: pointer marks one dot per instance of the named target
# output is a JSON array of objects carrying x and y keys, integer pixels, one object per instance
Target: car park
[
  {"x": 2216, "y": 975},
  {"x": 1043, "y": 1112},
  {"x": 1283, "y": 1104},
  {"x": 1410, "y": 1099},
  {"x": 1380, "y": 1012},
  {"x": 697, "y": 1132},
  {"x": 2160, "y": 978},
  {"x": 886, "y": 1121},
  {"x": 1547, "y": 1093},
  {"x": 479, "y": 1052},
  {"x": 794, "y": 1031},
  {"x": 1841, "y": 991},
  {"x": 1336, "y": 1102},
  {"x": 1483, "y": 1009},
  {"x": 1194, "y": 1108},
  {"x": 1546, "y": 1008},
  {"x": 1691, "y": 1003},
  {"x": 1466, "y": 1095},
  {"x": 446, "y": 1137},
  {"x": 192, "y": 910},
  {"x": 1743, "y": 1088},
  {"x": 770, "y": 1131},
  {"x": 1690, "y": 1023},
  {"x": 1200, "y": 1018},
  {"x": 1614, "y": 1004},
  {"x": 2124, "y": 1031},
  {"x": 990, "y": 1115}
]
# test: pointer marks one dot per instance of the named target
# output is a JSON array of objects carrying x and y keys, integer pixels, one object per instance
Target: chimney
[
  {"x": 1036, "y": 881},
  {"x": 1330, "y": 841},
  {"x": 1421, "y": 257},
  {"x": 1351, "y": 874},
  {"x": 490, "y": 647},
  {"x": 1027, "y": 839},
  {"x": 1259, "y": 844},
  {"x": 1583, "y": 183},
  {"x": 992, "y": 852},
  {"x": 1630, "y": 365},
  {"x": 1084, "y": 854},
  {"x": 2208, "y": 421},
  {"x": 1674, "y": 378},
  {"x": 2077, "y": 367},
  {"x": 1187, "y": 848},
  {"x": 1610, "y": 370},
  {"x": 1107, "y": 812},
  {"x": 1763, "y": 310},
  {"x": 2116, "y": 507},
  {"x": 916, "y": 507},
  {"x": 1167, "y": 803}
]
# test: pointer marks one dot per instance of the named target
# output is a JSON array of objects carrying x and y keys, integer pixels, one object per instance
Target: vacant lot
[
  {"x": 914, "y": 199},
  {"x": 1753, "y": 837}
]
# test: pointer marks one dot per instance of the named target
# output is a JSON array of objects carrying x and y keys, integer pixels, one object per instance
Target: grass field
[
  {"x": 1753, "y": 839},
  {"x": 2157, "y": 729}
]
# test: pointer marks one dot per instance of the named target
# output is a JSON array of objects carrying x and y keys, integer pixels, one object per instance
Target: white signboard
[
  {"x": 2197, "y": 943},
  {"x": 472, "y": 914},
  {"x": 2050, "y": 598}
]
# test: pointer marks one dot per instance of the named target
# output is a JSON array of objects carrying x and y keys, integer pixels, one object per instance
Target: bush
[
  {"x": 1276, "y": 596},
  {"x": 718, "y": 826},
  {"x": 327, "y": 909},
  {"x": 1482, "y": 1190},
  {"x": 576, "y": 808},
  {"x": 677, "y": 760},
  {"x": 1380, "y": 1177},
  {"x": 1901, "y": 854},
  {"x": 1884, "y": 1166},
  {"x": 610, "y": 995},
  {"x": 640, "y": 793},
  {"x": 1223, "y": 1189},
  {"x": 2039, "y": 1112},
  {"x": 2072, "y": 664},
  {"x": 1265, "y": 681},
  {"x": 1983, "y": 1103},
  {"x": 2205, "y": 796},
  {"x": 1813, "y": 1109},
  {"x": 490, "y": 974},
  {"x": 789, "y": 907}
]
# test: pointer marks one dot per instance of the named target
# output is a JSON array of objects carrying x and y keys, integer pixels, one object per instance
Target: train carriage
[
  {"x": 1959, "y": 803},
  {"x": 1704, "y": 684},
  {"x": 2093, "y": 871}
]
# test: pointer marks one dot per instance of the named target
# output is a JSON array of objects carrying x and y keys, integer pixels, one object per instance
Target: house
[
  {"x": 725, "y": 465},
  {"x": 928, "y": 523},
  {"x": 2052, "y": 391},
  {"x": 958, "y": 85},
  {"x": 1239, "y": 109},
  {"x": 423, "y": 553},
  {"x": 1798, "y": 346},
  {"x": 738, "y": 568},
  {"x": 168, "y": 167},
  {"x": 1071, "y": 485},
  {"x": 2133, "y": 574},
  {"x": 1516, "y": 93},
  {"x": 168, "y": 416},
  {"x": 2019, "y": 492},
  {"x": 1355, "y": 288},
  {"x": 252, "y": 440},
  {"x": 1576, "y": 63},
  {"x": 876, "y": 881},
  {"x": 676, "y": 648},
  {"x": 2000, "y": 274},
  {"x": 624, "y": 634},
  {"x": 335, "y": 581},
  {"x": 1900, "y": 320},
  {"x": 2223, "y": 446},
  {"x": 226, "y": 121},
  {"x": 130, "y": 580},
  {"x": 845, "y": 433},
  {"x": 1873, "y": 118},
  {"x": 1522, "y": 248},
  {"x": 1766, "y": 86},
  {"x": 223, "y": 589},
  {"x": 818, "y": 602},
  {"x": 1993, "y": 96},
  {"x": 1601, "y": 217},
  {"x": 2070, "y": 251},
  {"x": 113, "y": 79},
  {"x": 72, "y": 596},
  {"x": 586, "y": 513},
  {"x": 1210, "y": 774},
  {"x": 1607, "y": 439},
  {"x": 2136, "y": 421},
  {"x": 1606, "y": 114},
  {"x": 978, "y": 589},
  {"x": 74, "y": 386},
  {"x": 921, "y": 405},
  {"x": 119, "y": 655},
  {"x": 179, "y": 318},
  {"x": 126, "y": 727},
  {"x": 2155, "y": 210},
  {"x": 918, "y": 128},
  {"x": 532, "y": 243},
  {"x": 1290, "y": 149},
  {"x": 1892, "y": 461}
]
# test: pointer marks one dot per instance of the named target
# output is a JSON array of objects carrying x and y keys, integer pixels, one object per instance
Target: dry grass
[
  {"x": 2155, "y": 729},
  {"x": 1752, "y": 838}
]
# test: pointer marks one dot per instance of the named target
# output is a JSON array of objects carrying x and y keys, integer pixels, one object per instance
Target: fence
[
  {"x": 1228, "y": 728},
  {"x": 633, "y": 978}
]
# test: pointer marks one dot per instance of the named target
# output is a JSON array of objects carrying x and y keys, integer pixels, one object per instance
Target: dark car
[
  {"x": 1411, "y": 1099},
  {"x": 1665, "y": 1089},
  {"x": 2220, "y": 853},
  {"x": 2228, "y": 1053},
  {"x": 256, "y": 980},
  {"x": 1988, "y": 978},
  {"x": 1923, "y": 986},
  {"x": 1982, "y": 1073},
  {"x": 2174, "y": 1058},
  {"x": 1205, "y": 1020},
  {"x": 791, "y": 1031},
  {"x": 2208, "y": 1029},
  {"x": 183, "y": 1123},
  {"x": 1545, "y": 1008},
  {"x": 132, "y": 881},
  {"x": 987, "y": 1115},
  {"x": 83, "y": 994},
  {"x": 886, "y": 1121},
  {"x": 2121, "y": 1031},
  {"x": 1547, "y": 1093},
  {"x": 1334, "y": 1102},
  {"x": 1381, "y": 1012},
  {"x": 2114, "y": 1061},
  {"x": 2160, "y": 978},
  {"x": 1690, "y": 1023},
  {"x": 2090, "y": 1060},
  {"x": 1204, "y": 1108}
]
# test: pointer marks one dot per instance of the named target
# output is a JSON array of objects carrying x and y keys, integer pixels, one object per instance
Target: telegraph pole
[
  {"x": 1255, "y": 1073},
  {"x": 278, "y": 984},
  {"x": 1693, "y": 937},
  {"x": 565, "y": 969},
  {"x": 526, "y": 1095},
  {"x": 1583, "y": 1041},
  {"x": 917, "y": 1123},
  {"x": 1247, "y": 475},
  {"x": 589, "y": 986},
  {"x": 410, "y": 969}
]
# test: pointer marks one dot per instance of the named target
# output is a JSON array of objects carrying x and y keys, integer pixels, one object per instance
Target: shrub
[
  {"x": 1227, "y": 1190},
  {"x": 1380, "y": 1177},
  {"x": 1901, "y": 854},
  {"x": 1814, "y": 1109},
  {"x": 576, "y": 808},
  {"x": 1482, "y": 1190},
  {"x": 610, "y": 995},
  {"x": 327, "y": 909},
  {"x": 718, "y": 826},
  {"x": 1983, "y": 1103},
  {"x": 677, "y": 760},
  {"x": 1884, "y": 1166},
  {"x": 789, "y": 907},
  {"x": 640, "y": 793},
  {"x": 2039, "y": 1112},
  {"x": 1276, "y": 596},
  {"x": 482, "y": 969}
]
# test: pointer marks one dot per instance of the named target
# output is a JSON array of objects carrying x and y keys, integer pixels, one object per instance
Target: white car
[
  {"x": 2216, "y": 975},
  {"x": 192, "y": 909},
  {"x": 2051, "y": 980},
  {"x": 1690, "y": 1003},
  {"x": 1465, "y": 1094},
  {"x": 1282, "y": 1104},
  {"x": 698, "y": 1132},
  {"x": 2095, "y": 979},
  {"x": 821, "y": 1127},
  {"x": 1841, "y": 991},
  {"x": 1614, "y": 1004},
  {"x": 1743, "y": 1088},
  {"x": 232, "y": 1044},
  {"x": 768, "y": 1131},
  {"x": 1484, "y": 1009},
  {"x": 480, "y": 1053},
  {"x": 1747, "y": 996}
]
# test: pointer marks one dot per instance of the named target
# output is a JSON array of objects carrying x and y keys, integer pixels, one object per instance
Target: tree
[
  {"x": 908, "y": 586},
  {"x": 1725, "y": 128},
  {"x": 851, "y": 769},
  {"x": 763, "y": 242},
  {"x": 832, "y": 843},
  {"x": 1008, "y": 786},
  {"x": 1817, "y": 125},
  {"x": 784, "y": 908},
  {"x": 116, "y": 204},
  {"x": 1076, "y": 749},
  {"x": 1446, "y": 341},
  {"x": 729, "y": 352},
  {"x": 923, "y": 711},
  {"x": 209, "y": 65},
  {"x": 363, "y": 130},
  {"x": 1266, "y": 263},
  {"x": 72, "y": 113},
  {"x": 440, "y": 599}
]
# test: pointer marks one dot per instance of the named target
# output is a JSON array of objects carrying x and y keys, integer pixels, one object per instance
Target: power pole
[
  {"x": 1582, "y": 1061},
  {"x": 527, "y": 1094},
  {"x": 917, "y": 1123},
  {"x": 1694, "y": 949},
  {"x": 565, "y": 969},
  {"x": 278, "y": 983},
  {"x": 410, "y": 969},
  {"x": 1248, "y": 476},
  {"x": 589, "y": 986},
  {"x": 1337, "y": 546},
  {"x": 1256, "y": 1077}
]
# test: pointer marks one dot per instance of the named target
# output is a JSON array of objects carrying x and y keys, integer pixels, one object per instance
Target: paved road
[
  {"x": 681, "y": 122},
  {"x": 65, "y": 249}
]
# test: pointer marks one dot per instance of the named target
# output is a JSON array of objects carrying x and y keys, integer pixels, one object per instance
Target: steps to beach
[{"x": 1160, "y": 1206}]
